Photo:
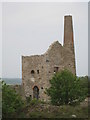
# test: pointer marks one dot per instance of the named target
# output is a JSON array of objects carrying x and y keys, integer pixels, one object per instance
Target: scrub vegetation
[{"x": 72, "y": 102}]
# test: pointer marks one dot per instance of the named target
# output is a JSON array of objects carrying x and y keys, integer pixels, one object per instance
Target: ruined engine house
[{"x": 37, "y": 70}]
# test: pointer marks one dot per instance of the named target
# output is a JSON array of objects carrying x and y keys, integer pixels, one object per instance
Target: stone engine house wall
[{"x": 37, "y": 70}]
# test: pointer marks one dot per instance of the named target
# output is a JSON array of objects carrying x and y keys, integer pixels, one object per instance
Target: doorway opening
[{"x": 36, "y": 92}]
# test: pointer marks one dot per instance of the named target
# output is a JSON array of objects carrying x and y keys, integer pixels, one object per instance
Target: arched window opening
[{"x": 32, "y": 72}]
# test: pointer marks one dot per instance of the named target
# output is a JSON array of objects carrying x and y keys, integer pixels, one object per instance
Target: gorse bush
[
  {"x": 12, "y": 103},
  {"x": 66, "y": 89},
  {"x": 35, "y": 102}
]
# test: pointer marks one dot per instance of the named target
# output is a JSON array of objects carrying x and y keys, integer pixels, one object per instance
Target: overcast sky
[{"x": 29, "y": 29}]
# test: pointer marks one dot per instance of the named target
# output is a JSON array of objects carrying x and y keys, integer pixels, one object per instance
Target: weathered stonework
[{"x": 37, "y": 70}]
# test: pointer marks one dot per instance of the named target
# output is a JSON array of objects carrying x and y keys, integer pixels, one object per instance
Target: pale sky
[{"x": 30, "y": 28}]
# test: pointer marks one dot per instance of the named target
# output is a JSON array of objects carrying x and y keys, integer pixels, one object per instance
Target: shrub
[
  {"x": 12, "y": 103},
  {"x": 34, "y": 102},
  {"x": 66, "y": 89}
]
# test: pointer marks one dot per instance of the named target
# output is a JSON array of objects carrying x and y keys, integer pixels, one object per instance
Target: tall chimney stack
[
  {"x": 68, "y": 33},
  {"x": 69, "y": 42}
]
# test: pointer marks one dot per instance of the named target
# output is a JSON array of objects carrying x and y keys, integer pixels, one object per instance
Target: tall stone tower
[{"x": 69, "y": 39}]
